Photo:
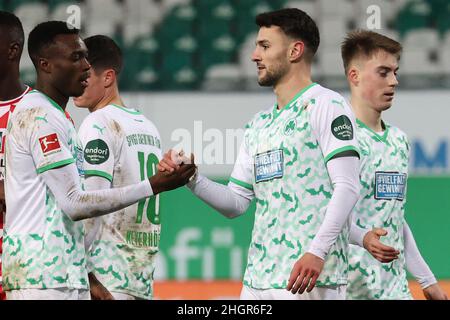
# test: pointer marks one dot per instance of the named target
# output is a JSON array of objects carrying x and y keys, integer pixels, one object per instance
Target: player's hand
[
  {"x": 169, "y": 180},
  {"x": 435, "y": 292},
  {"x": 304, "y": 274},
  {"x": 172, "y": 160},
  {"x": 98, "y": 291},
  {"x": 378, "y": 250}
]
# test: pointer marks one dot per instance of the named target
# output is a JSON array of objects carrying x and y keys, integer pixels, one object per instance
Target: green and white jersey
[
  {"x": 384, "y": 170},
  {"x": 123, "y": 146},
  {"x": 43, "y": 248},
  {"x": 283, "y": 160}
]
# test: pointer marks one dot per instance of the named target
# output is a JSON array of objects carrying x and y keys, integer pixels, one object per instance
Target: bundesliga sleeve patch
[
  {"x": 50, "y": 144},
  {"x": 342, "y": 128},
  {"x": 390, "y": 185},
  {"x": 269, "y": 165}
]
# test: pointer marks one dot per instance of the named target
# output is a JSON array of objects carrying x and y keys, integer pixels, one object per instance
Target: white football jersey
[
  {"x": 42, "y": 247},
  {"x": 123, "y": 146},
  {"x": 283, "y": 160}
]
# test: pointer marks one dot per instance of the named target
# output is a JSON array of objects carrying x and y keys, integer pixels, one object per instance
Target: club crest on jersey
[
  {"x": 269, "y": 165},
  {"x": 50, "y": 144},
  {"x": 390, "y": 185},
  {"x": 289, "y": 127}
]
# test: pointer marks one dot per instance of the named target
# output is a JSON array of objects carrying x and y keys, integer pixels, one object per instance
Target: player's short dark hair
[
  {"x": 367, "y": 43},
  {"x": 43, "y": 35},
  {"x": 10, "y": 21},
  {"x": 296, "y": 24},
  {"x": 104, "y": 53}
]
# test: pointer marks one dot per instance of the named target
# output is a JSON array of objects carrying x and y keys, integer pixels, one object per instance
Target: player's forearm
[
  {"x": 415, "y": 263},
  {"x": 344, "y": 174},
  {"x": 78, "y": 204},
  {"x": 94, "y": 183},
  {"x": 220, "y": 197},
  {"x": 357, "y": 235}
]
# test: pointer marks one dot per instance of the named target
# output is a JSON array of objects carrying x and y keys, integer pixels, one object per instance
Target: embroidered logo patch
[
  {"x": 342, "y": 128},
  {"x": 96, "y": 151},
  {"x": 390, "y": 185},
  {"x": 269, "y": 165},
  {"x": 50, "y": 144}
]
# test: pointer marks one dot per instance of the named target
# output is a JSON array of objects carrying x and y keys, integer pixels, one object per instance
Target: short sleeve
[
  {"x": 98, "y": 147},
  {"x": 333, "y": 124},
  {"x": 49, "y": 139}
]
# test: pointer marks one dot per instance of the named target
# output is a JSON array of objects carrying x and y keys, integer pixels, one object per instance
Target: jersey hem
[
  {"x": 73, "y": 286},
  {"x": 55, "y": 165},
  {"x": 339, "y": 282},
  {"x": 337, "y": 151},
  {"x": 99, "y": 174},
  {"x": 131, "y": 293},
  {"x": 241, "y": 183}
]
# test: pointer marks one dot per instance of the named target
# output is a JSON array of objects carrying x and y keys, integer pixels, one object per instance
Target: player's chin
[
  {"x": 77, "y": 90},
  {"x": 80, "y": 102}
]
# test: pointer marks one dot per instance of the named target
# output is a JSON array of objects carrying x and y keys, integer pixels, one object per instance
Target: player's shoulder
[
  {"x": 97, "y": 116},
  {"x": 33, "y": 99},
  {"x": 260, "y": 117},
  {"x": 395, "y": 131},
  {"x": 324, "y": 96}
]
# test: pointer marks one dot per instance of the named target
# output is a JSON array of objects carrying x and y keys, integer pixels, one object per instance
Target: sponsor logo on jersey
[
  {"x": 342, "y": 128},
  {"x": 50, "y": 144},
  {"x": 80, "y": 160},
  {"x": 96, "y": 151},
  {"x": 390, "y": 185},
  {"x": 289, "y": 127},
  {"x": 269, "y": 165}
]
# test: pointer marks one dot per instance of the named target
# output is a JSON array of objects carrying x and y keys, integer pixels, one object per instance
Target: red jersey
[{"x": 6, "y": 108}]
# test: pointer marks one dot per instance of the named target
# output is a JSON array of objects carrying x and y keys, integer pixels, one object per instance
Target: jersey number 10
[{"x": 153, "y": 201}]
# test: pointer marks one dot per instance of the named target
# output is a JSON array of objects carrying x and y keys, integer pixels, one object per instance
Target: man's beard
[{"x": 272, "y": 77}]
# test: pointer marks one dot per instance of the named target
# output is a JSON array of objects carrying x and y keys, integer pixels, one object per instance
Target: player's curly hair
[
  {"x": 366, "y": 43},
  {"x": 296, "y": 24}
]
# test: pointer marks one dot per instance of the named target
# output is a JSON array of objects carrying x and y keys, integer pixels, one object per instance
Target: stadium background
[{"x": 188, "y": 69}]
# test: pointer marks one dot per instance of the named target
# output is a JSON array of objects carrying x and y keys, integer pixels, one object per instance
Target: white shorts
[
  {"x": 48, "y": 294},
  {"x": 318, "y": 293}
]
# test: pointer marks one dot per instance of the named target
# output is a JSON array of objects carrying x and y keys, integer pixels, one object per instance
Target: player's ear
[
  {"x": 44, "y": 65},
  {"x": 353, "y": 75},
  {"x": 109, "y": 77},
  {"x": 14, "y": 51},
  {"x": 296, "y": 51}
]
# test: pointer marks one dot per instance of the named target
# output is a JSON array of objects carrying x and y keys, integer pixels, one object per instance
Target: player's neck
[
  {"x": 111, "y": 97},
  {"x": 290, "y": 85},
  {"x": 11, "y": 86},
  {"x": 369, "y": 116},
  {"x": 53, "y": 93}
]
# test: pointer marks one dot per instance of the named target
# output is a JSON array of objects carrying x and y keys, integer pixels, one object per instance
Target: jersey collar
[
  {"x": 132, "y": 111},
  {"x": 52, "y": 102},
  {"x": 15, "y": 100},
  {"x": 375, "y": 136},
  {"x": 289, "y": 105}
]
